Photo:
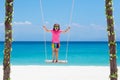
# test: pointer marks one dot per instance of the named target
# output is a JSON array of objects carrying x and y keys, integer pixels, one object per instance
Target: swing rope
[
  {"x": 68, "y": 37},
  {"x": 42, "y": 15}
]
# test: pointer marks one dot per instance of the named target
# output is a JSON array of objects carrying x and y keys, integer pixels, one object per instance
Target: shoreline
[{"x": 33, "y": 72}]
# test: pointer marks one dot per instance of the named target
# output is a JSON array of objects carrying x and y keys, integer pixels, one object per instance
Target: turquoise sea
[{"x": 79, "y": 53}]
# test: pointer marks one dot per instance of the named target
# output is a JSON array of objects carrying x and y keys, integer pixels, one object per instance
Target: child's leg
[
  {"x": 53, "y": 54},
  {"x": 56, "y": 54}
]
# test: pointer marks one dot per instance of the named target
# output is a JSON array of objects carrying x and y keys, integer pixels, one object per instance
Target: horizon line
[{"x": 60, "y": 41}]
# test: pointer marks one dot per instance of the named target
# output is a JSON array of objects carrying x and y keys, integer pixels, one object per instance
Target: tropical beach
[{"x": 80, "y": 39}]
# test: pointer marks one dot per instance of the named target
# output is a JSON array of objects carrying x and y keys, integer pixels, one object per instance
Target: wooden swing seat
[{"x": 59, "y": 61}]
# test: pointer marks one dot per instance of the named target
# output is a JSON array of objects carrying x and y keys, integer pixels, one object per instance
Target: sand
[{"x": 34, "y": 72}]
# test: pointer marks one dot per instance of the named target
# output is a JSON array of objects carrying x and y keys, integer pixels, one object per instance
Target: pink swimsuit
[{"x": 56, "y": 36}]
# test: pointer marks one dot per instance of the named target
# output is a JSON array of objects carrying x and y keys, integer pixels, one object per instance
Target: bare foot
[{"x": 56, "y": 61}]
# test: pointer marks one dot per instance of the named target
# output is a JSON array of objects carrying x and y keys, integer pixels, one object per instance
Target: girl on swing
[{"x": 56, "y": 40}]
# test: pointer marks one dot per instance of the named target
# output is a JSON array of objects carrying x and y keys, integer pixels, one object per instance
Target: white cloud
[
  {"x": 22, "y": 23},
  {"x": 91, "y": 26},
  {"x": 18, "y": 23}
]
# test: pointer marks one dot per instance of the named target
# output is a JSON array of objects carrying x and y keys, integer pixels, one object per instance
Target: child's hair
[{"x": 56, "y": 25}]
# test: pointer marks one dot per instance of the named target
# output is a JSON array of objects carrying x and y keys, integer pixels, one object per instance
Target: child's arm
[
  {"x": 44, "y": 27},
  {"x": 66, "y": 30}
]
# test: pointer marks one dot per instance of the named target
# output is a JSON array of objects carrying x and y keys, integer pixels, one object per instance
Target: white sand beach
[{"x": 58, "y": 73}]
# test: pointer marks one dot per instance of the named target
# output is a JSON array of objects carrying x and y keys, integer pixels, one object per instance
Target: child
[{"x": 55, "y": 39}]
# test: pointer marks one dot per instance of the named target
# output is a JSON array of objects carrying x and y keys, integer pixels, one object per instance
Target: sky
[{"x": 88, "y": 22}]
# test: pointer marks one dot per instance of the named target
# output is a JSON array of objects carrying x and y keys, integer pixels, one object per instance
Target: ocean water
[{"x": 79, "y": 53}]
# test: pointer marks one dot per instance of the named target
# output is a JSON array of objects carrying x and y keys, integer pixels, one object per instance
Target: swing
[{"x": 59, "y": 61}]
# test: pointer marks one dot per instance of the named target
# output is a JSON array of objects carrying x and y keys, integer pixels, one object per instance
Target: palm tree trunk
[
  {"x": 111, "y": 39},
  {"x": 8, "y": 39}
]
